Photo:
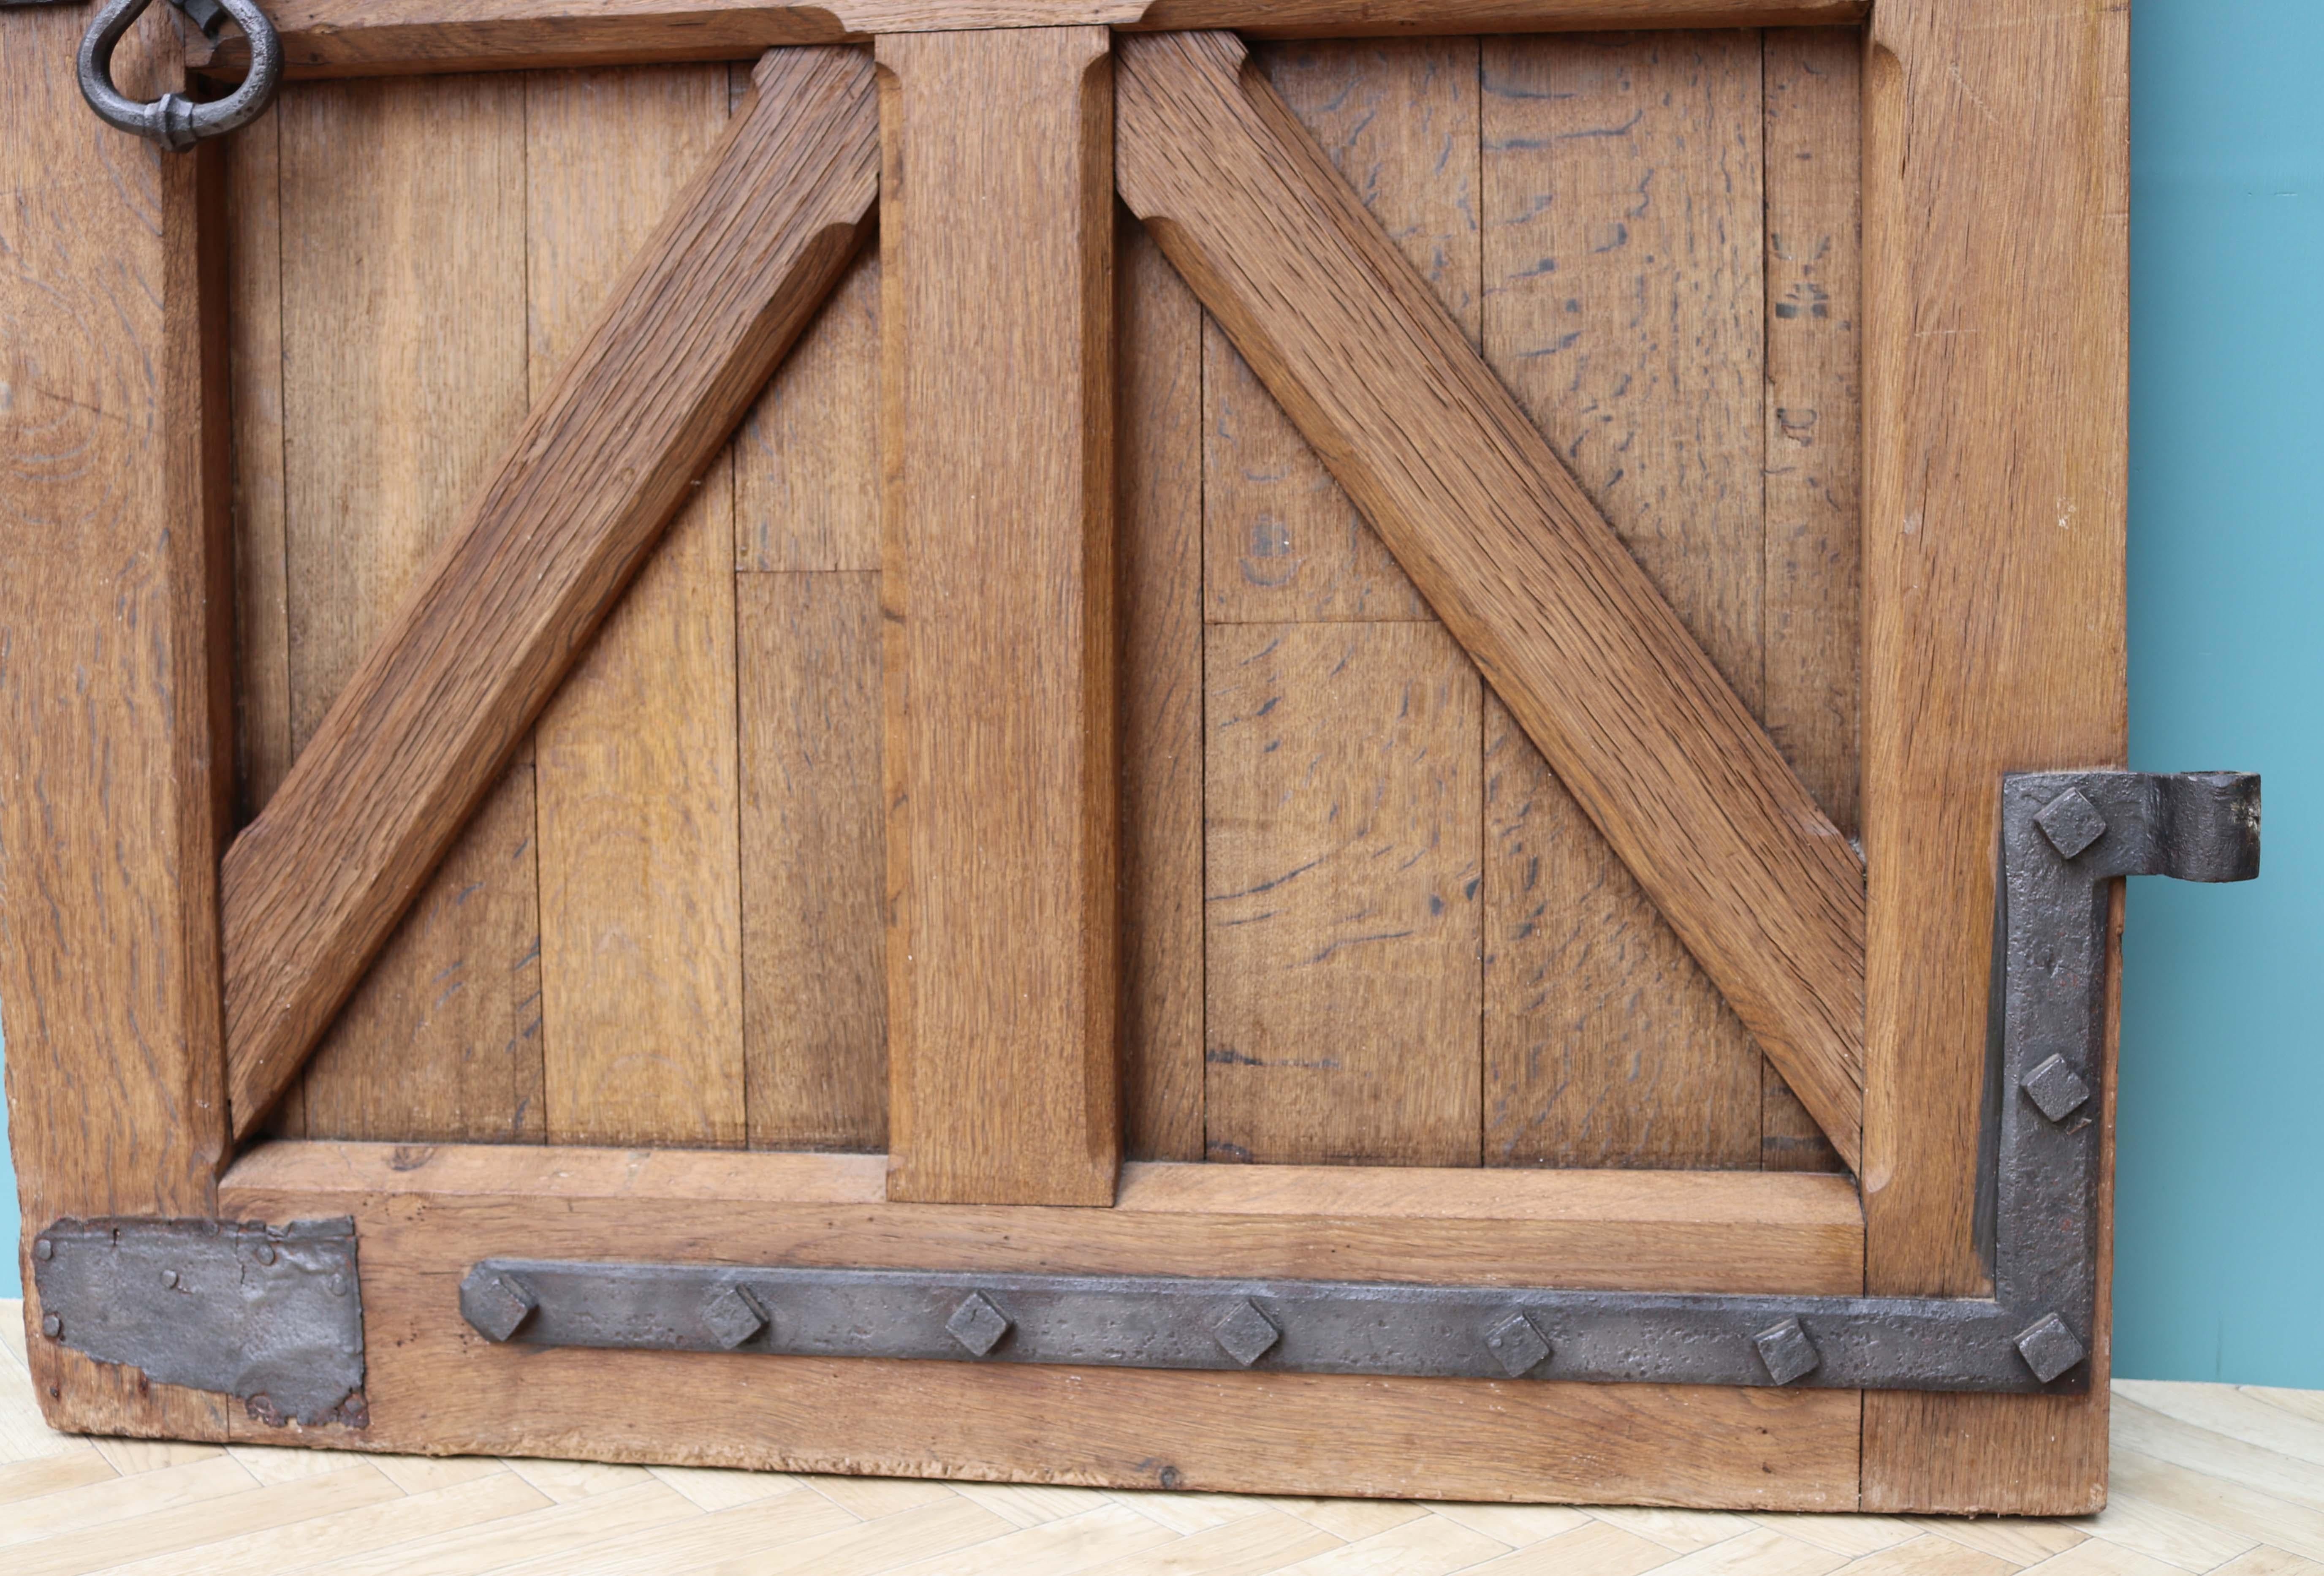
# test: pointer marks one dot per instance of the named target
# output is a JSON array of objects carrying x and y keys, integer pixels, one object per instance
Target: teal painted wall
[
  {"x": 2220, "y": 1239},
  {"x": 2219, "y": 1166}
]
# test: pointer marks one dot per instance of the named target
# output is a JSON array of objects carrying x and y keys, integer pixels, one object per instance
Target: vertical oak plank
[
  {"x": 1281, "y": 540},
  {"x": 814, "y": 938},
  {"x": 1815, "y": 428},
  {"x": 1995, "y": 285},
  {"x": 806, "y": 476},
  {"x": 115, "y": 548},
  {"x": 636, "y": 756},
  {"x": 261, "y": 602},
  {"x": 1605, "y": 1044},
  {"x": 1283, "y": 544},
  {"x": 806, "y": 544},
  {"x": 441, "y": 1042},
  {"x": 403, "y": 288},
  {"x": 996, "y": 243},
  {"x": 1159, "y": 520},
  {"x": 254, "y": 159},
  {"x": 1341, "y": 903},
  {"x": 1622, "y": 202}
]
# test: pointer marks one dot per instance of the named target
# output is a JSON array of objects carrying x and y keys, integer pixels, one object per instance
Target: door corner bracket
[{"x": 270, "y": 1314}]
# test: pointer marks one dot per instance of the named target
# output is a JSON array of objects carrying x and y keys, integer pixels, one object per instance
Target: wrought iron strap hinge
[
  {"x": 2064, "y": 836},
  {"x": 270, "y": 1314}
]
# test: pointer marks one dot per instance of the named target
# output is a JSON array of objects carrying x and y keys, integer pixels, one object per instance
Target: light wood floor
[{"x": 2206, "y": 1477}]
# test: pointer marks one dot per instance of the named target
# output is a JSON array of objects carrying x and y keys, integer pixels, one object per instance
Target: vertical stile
[{"x": 996, "y": 243}]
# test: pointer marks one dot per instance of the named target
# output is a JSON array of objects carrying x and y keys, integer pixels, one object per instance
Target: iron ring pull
[{"x": 176, "y": 122}]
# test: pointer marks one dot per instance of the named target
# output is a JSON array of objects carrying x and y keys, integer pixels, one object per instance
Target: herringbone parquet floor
[{"x": 2206, "y": 1478}]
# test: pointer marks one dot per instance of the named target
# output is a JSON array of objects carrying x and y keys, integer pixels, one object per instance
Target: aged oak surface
[
  {"x": 114, "y": 548},
  {"x": 1814, "y": 630},
  {"x": 814, "y": 1032},
  {"x": 1622, "y": 196},
  {"x": 1401, "y": 120},
  {"x": 806, "y": 599},
  {"x": 1996, "y": 400},
  {"x": 636, "y": 756},
  {"x": 1158, "y": 525},
  {"x": 391, "y": 260},
  {"x": 1342, "y": 754},
  {"x": 312, "y": 886},
  {"x": 1661, "y": 750},
  {"x": 997, "y": 596},
  {"x": 1341, "y": 889}
]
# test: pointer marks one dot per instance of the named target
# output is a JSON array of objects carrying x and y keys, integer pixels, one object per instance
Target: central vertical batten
[{"x": 996, "y": 245}]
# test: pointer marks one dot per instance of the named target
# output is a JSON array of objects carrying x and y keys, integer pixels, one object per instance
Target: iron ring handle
[{"x": 176, "y": 122}]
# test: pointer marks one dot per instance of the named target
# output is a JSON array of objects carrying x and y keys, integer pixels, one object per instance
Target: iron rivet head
[
  {"x": 732, "y": 1315},
  {"x": 1517, "y": 1345},
  {"x": 2071, "y": 822},
  {"x": 51, "y": 1326},
  {"x": 263, "y": 1253},
  {"x": 1787, "y": 1351},
  {"x": 496, "y": 1304},
  {"x": 977, "y": 1325},
  {"x": 2055, "y": 1089},
  {"x": 169, "y": 1278},
  {"x": 339, "y": 1283},
  {"x": 1245, "y": 1333},
  {"x": 2048, "y": 1348},
  {"x": 45, "y": 1250}
]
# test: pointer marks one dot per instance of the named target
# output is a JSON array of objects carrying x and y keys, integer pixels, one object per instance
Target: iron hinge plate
[{"x": 270, "y": 1314}]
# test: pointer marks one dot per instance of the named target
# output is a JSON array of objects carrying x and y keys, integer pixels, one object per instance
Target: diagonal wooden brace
[
  {"x": 312, "y": 887},
  {"x": 1679, "y": 778}
]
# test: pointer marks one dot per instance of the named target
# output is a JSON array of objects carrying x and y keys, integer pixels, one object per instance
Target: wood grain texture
[
  {"x": 806, "y": 459},
  {"x": 1996, "y": 300},
  {"x": 1158, "y": 521},
  {"x": 637, "y": 761},
  {"x": 441, "y": 1039},
  {"x": 1814, "y": 97},
  {"x": 1509, "y": 551},
  {"x": 1342, "y": 895},
  {"x": 1815, "y": 427},
  {"x": 997, "y": 408},
  {"x": 1281, "y": 540},
  {"x": 1622, "y": 214},
  {"x": 1733, "y": 1232},
  {"x": 806, "y": 534},
  {"x": 1604, "y": 1045},
  {"x": 115, "y": 543},
  {"x": 419, "y": 732},
  {"x": 382, "y": 37},
  {"x": 402, "y": 235},
  {"x": 261, "y": 602},
  {"x": 424, "y": 1217},
  {"x": 815, "y": 1023}
]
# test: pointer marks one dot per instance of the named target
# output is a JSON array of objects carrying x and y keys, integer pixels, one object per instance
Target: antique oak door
[{"x": 1042, "y": 742}]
